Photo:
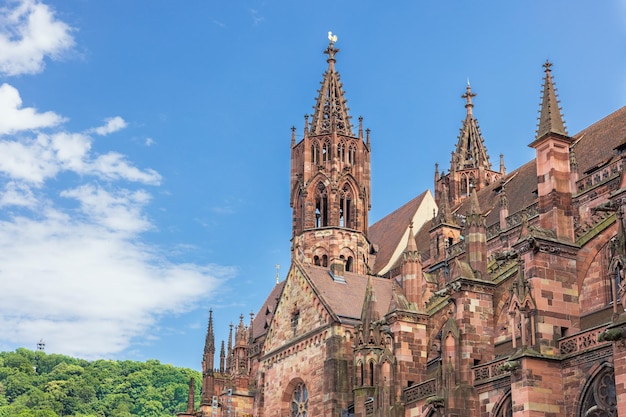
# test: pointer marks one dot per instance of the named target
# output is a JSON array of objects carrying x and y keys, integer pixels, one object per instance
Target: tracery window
[
  {"x": 315, "y": 153},
  {"x": 300, "y": 401},
  {"x": 600, "y": 399},
  {"x": 352, "y": 155},
  {"x": 326, "y": 151},
  {"x": 464, "y": 185},
  {"x": 341, "y": 151},
  {"x": 321, "y": 206},
  {"x": 345, "y": 207}
]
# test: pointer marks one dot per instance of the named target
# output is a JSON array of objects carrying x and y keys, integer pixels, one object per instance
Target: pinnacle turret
[
  {"x": 550, "y": 117},
  {"x": 369, "y": 313},
  {"x": 209, "y": 343},
  {"x": 470, "y": 148}
]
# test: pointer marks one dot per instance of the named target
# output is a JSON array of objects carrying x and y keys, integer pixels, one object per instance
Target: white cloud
[
  {"x": 114, "y": 166},
  {"x": 149, "y": 142},
  {"x": 15, "y": 118},
  {"x": 120, "y": 210},
  {"x": 112, "y": 125},
  {"x": 17, "y": 195},
  {"x": 35, "y": 160},
  {"x": 29, "y": 32},
  {"x": 76, "y": 269}
]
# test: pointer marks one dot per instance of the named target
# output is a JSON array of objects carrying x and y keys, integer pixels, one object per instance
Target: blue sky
[{"x": 144, "y": 145}]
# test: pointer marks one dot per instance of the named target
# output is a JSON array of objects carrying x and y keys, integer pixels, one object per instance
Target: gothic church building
[{"x": 502, "y": 294}]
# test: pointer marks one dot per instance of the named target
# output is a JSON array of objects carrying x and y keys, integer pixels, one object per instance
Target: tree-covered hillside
[{"x": 34, "y": 384}]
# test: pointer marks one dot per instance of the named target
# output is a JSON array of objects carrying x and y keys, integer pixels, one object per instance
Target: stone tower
[
  {"x": 470, "y": 168},
  {"x": 330, "y": 183}
]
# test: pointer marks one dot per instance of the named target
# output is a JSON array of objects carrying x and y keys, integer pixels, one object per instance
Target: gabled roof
[
  {"x": 391, "y": 232},
  {"x": 262, "y": 320},
  {"x": 345, "y": 299}
]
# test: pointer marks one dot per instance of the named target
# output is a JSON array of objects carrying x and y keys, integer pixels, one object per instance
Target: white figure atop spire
[{"x": 332, "y": 38}]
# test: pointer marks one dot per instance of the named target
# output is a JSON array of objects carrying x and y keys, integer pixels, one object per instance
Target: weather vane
[{"x": 332, "y": 38}]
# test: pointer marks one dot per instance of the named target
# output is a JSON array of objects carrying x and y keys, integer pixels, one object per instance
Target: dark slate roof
[
  {"x": 262, "y": 320},
  {"x": 346, "y": 299},
  {"x": 596, "y": 143},
  {"x": 387, "y": 232}
]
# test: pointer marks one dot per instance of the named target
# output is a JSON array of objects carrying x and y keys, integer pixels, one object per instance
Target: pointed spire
[
  {"x": 209, "y": 343},
  {"x": 474, "y": 206},
  {"x": 369, "y": 312},
  {"x": 251, "y": 329},
  {"x": 550, "y": 117},
  {"x": 470, "y": 148},
  {"x": 361, "y": 127},
  {"x": 222, "y": 357},
  {"x": 230, "y": 339},
  {"x": 240, "y": 333},
  {"x": 502, "y": 167},
  {"x": 444, "y": 216},
  {"x": 411, "y": 246},
  {"x": 191, "y": 396},
  {"x": 504, "y": 206},
  {"x": 330, "y": 110}
]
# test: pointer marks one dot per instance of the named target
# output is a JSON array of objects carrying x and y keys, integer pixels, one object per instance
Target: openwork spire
[
  {"x": 550, "y": 117},
  {"x": 330, "y": 110},
  {"x": 470, "y": 149}
]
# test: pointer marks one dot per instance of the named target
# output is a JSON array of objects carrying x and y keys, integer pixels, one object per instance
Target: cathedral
[{"x": 500, "y": 294}]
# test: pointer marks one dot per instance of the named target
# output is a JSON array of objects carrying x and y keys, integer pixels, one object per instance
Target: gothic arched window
[
  {"x": 300, "y": 401},
  {"x": 315, "y": 153},
  {"x": 345, "y": 207},
  {"x": 505, "y": 408},
  {"x": 463, "y": 185},
  {"x": 352, "y": 155},
  {"x": 326, "y": 151},
  {"x": 349, "y": 262},
  {"x": 321, "y": 206},
  {"x": 341, "y": 151},
  {"x": 600, "y": 399}
]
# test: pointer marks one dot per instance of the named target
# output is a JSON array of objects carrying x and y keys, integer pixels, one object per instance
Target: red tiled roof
[
  {"x": 346, "y": 299},
  {"x": 262, "y": 319}
]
